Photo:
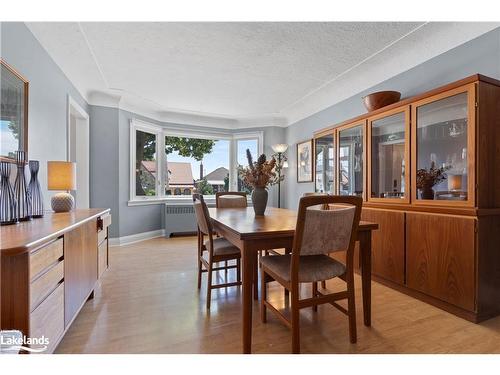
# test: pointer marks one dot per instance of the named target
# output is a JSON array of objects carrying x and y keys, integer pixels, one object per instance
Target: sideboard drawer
[
  {"x": 47, "y": 282},
  {"x": 101, "y": 236},
  {"x": 106, "y": 220},
  {"x": 45, "y": 257},
  {"x": 48, "y": 318},
  {"x": 102, "y": 262}
]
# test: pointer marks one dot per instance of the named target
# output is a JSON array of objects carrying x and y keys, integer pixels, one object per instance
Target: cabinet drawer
[
  {"x": 48, "y": 318},
  {"x": 47, "y": 282},
  {"x": 44, "y": 257},
  {"x": 101, "y": 236},
  {"x": 106, "y": 221},
  {"x": 102, "y": 255}
]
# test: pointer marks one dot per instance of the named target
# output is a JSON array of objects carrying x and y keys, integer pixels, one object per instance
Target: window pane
[
  {"x": 325, "y": 162},
  {"x": 442, "y": 146},
  {"x": 388, "y": 157},
  {"x": 351, "y": 161},
  {"x": 145, "y": 171},
  {"x": 194, "y": 163},
  {"x": 241, "y": 152}
]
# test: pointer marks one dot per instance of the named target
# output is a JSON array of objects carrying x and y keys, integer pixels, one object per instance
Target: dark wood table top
[
  {"x": 22, "y": 237},
  {"x": 275, "y": 223}
]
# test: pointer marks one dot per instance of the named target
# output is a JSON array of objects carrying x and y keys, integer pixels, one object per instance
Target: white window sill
[{"x": 178, "y": 201}]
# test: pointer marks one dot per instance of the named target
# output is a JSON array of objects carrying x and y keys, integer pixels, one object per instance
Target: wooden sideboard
[
  {"x": 441, "y": 248},
  {"x": 50, "y": 267}
]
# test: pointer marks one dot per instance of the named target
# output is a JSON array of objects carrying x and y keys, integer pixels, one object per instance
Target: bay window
[{"x": 168, "y": 164}]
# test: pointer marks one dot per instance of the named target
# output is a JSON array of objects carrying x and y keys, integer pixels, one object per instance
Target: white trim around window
[{"x": 160, "y": 133}]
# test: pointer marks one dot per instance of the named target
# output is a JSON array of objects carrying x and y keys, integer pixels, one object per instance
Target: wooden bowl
[{"x": 381, "y": 99}]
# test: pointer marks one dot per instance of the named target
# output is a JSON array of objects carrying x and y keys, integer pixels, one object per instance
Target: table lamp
[{"x": 62, "y": 176}]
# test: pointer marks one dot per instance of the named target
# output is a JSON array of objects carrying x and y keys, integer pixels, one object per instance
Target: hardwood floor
[{"x": 148, "y": 302}]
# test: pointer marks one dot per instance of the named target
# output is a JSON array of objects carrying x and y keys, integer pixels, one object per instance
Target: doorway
[{"x": 78, "y": 151}]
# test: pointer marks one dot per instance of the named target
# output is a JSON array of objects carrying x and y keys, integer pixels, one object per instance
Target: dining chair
[
  {"x": 238, "y": 199},
  {"x": 230, "y": 199},
  {"x": 319, "y": 231},
  {"x": 218, "y": 249},
  {"x": 308, "y": 194}
]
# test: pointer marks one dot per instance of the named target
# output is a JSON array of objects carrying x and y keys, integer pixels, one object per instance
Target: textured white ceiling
[{"x": 232, "y": 73}]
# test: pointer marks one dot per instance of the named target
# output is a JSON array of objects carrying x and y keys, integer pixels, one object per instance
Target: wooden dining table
[{"x": 275, "y": 230}]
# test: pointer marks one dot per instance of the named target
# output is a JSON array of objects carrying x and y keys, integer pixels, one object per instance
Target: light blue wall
[
  {"x": 481, "y": 55},
  {"x": 48, "y": 96},
  {"x": 104, "y": 159}
]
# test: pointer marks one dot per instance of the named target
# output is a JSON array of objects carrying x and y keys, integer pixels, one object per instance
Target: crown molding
[
  {"x": 423, "y": 44},
  {"x": 103, "y": 99}
]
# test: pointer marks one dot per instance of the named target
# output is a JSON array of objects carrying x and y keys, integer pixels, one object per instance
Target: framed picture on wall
[
  {"x": 13, "y": 112},
  {"x": 305, "y": 161}
]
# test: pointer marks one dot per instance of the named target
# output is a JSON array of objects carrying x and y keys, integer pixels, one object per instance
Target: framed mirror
[{"x": 13, "y": 112}]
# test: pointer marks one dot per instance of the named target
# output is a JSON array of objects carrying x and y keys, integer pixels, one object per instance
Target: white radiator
[{"x": 179, "y": 220}]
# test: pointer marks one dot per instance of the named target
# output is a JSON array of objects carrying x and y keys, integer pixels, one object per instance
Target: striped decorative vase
[
  {"x": 34, "y": 190},
  {"x": 21, "y": 189},
  {"x": 8, "y": 203}
]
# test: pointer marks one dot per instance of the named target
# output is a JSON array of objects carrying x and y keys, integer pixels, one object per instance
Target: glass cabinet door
[
  {"x": 350, "y": 178},
  {"x": 440, "y": 166},
  {"x": 388, "y": 156},
  {"x": 324, "y": 163}
]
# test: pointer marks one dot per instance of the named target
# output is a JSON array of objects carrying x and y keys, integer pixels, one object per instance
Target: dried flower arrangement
[
  {"x": 426, "y": 179},
  {"x": 261, "y": 173}
]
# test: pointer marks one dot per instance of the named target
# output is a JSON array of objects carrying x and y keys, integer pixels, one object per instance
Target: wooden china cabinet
[{"x": 437, "y": 243}]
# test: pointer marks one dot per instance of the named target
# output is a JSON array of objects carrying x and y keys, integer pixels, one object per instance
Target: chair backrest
[
  {"x": 316, "y": 194},
  {"x": 326, "y": 224},
  {"x": 230, "y": 199},
  {"x": 313, "y": 194},
  {"x": 202, "y": 214}
]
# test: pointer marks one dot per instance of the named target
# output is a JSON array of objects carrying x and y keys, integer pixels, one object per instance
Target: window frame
[
  {"x": 161, "y": 132},
  {"x": 147, "y": 128},
  {"x": 233, "y": 162}
]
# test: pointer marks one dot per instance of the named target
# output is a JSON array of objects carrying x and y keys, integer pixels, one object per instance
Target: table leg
[
  {"x": 248, "y": 265},
  {"x": 365, "y": 253},
  {"x": 288, "y": 250},
  {"x": 256, "y": 275}
]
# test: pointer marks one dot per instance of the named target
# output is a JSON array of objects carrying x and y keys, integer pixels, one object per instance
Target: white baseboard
[{"x": 126, "y": 240}]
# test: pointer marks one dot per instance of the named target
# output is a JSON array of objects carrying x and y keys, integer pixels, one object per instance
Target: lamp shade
[
  {"x": 454, "y": 182},
  {"x": 285, "y": 164},
  {"x": 280, "y": 147},
  {"x": 61, "y": 175}
]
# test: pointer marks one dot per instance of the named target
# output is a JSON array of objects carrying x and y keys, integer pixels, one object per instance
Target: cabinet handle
[{"x": 100, "y": 223}]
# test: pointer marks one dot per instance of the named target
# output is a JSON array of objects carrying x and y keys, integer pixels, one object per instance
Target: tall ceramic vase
[
  {"x": 34, "y": 190},
  {"x": 259, "y": 200},
  {"x": 8, "y": 203},
  {"x": 21, "y": 189}
]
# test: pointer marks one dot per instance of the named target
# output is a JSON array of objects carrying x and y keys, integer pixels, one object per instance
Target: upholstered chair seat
[
  {"x": 312, "y": 268},
  {"x": 223, "y": 247}
]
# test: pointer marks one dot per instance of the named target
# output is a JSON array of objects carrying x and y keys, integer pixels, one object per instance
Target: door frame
[{"x": 82, "y": 120}]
